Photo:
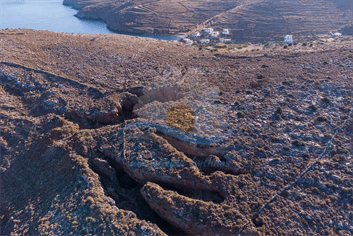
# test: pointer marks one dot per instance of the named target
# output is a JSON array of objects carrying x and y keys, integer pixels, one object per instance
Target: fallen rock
[{"x": 145, "y": 156}]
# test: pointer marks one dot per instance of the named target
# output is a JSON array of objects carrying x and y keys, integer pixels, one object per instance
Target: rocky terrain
[
  {"x": 247, "y": 20},
  {"x": 117, "y": 135}
]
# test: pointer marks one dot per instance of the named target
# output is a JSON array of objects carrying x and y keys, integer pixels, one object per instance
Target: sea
[{"x": 54, "y": 16}]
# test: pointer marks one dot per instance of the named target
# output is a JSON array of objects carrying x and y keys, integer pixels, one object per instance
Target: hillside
[
  {"x": 114, "y": 135},
  {"x": 247, "y": 20}
]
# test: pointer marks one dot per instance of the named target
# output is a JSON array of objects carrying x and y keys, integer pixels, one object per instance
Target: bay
[{"x": 52, "y": 15}]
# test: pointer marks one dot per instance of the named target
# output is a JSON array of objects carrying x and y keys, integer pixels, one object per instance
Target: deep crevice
[
  {"x": 199, "y": 194},
  {"x": 127, "y": 196},
  {"x": 126, "y": 191}
]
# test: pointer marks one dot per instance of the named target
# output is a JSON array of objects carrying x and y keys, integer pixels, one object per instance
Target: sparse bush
[
  {"x": 325, "y": 100},
  {"x": 240, "y": 114},
  {"x": 279, "y": 111},
  {"x": 313, "y": 108},
  {"x": 322, "y": 119},
  {"x": 298, "y": 143}
]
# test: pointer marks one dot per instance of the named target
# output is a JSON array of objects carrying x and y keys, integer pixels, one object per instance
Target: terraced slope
[
  {"x": 264, "y": 20},
  {"x": 160, "y": 16},
  {"x": 248, "y": 20}
]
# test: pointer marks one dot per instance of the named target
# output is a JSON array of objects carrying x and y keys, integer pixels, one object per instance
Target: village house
[
  {"x": 195, "y": 35},
  {"x": 207, "y": 30},
  {"x": 204, "y": 41},
  {"x": 214, "y": 34},
  {"x": 189, "y": 42},
  {"x": 223, "y": 40},
  {"x": 335, "y": 34},
  {"x": 288, "y": 39},
  {"x": 225, "y": 32}
]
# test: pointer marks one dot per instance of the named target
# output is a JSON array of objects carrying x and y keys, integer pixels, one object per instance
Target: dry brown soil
[{"x": 73, "y": 163}]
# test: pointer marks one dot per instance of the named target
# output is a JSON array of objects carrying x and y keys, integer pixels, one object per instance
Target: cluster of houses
[
  {"x": 289, "y": 38},
  {"x": 206, "y": 35}
]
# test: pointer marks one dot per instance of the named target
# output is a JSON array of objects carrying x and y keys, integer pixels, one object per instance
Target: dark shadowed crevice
[
  {"x": 126, "y": 193},
  {"x": 203, "y": 195},
  {"x": 127, "y": 103}
]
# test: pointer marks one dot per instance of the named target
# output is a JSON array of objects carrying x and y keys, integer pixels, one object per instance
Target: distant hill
[{"x": 248, "y": 20}]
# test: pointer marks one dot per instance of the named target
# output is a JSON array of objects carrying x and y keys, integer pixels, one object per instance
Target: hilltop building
[
  {"x": 207, "y": 30},
  {"x": 204, "y": 41},
  {"x": 288, "y": 39},
  {"x": 335, "y": 34},
  {"x": 223, "y": 40},
  {"x": 214, "y": 34},
  {"x": 196, "y": 35},
  {"x": 225, "y": 32}
]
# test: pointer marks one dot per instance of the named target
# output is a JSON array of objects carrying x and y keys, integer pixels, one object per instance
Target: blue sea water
[{"x": 51, "y": 15}]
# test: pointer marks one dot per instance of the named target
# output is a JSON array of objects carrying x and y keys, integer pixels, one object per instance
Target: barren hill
[
  {"x": 248, "y": 20},
  {"x": 116, "y": 135}
]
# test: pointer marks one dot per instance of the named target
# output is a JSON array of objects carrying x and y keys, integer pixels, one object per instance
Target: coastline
[{"x": 136, "y": 33}]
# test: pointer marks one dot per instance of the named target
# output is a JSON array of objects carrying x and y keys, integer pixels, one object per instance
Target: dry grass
[{"x": 181, "y": 118}]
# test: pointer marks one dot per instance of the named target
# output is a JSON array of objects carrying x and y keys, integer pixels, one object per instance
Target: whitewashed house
[
  {"x": 225, "y": 32},
  {"x": 214, "y": 34},
  {"x": 196, "y": 35},
  {"x": 336, "y": 34},
  {"x": 223, "y": 40},
  {"x": 189, "y": 42},
  {"x": 207, "y": 30},
  {"x": 204, "y": 41},
  {"x": 288, "y": 39}
]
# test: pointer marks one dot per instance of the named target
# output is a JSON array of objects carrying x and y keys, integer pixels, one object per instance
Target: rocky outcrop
[
  {"x": 195, "y": 217},
  {"x": 162, "y": 164}
]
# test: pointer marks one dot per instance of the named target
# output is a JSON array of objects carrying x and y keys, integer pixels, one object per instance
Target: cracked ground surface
[{"x": 91, "y": 141}]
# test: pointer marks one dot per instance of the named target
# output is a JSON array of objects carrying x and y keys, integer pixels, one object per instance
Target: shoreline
[{"x": 80, "y": 15}]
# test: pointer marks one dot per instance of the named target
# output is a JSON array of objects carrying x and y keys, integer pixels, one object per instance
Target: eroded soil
[{"x": 110, "y": 134}]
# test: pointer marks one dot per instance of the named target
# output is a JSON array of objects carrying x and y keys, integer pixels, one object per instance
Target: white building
[
  {"x": 223, "y": 40},
  {"x": 207, "y": 30},
  {"x": 195, "y": 35},
  {"x": 225, "y": 31},
  {"x": 204, "y": 41},
  {"x": 189, "y": 42},
  {"x": 336, "y": 34},
  {"x": 214, "y": 34},
  {"x": 288, "y": 39}
]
